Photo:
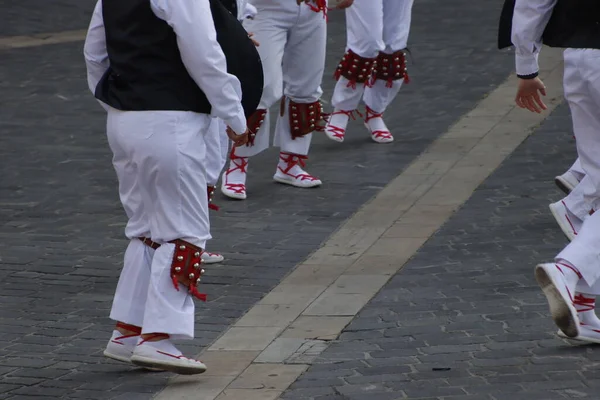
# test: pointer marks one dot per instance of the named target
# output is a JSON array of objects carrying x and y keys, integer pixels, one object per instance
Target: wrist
[{"x": 528, "y": 76}]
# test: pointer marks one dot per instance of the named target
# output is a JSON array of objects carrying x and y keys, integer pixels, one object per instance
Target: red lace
[
  {"x": 583, "y": 303},
  {"x": 319, "y": 6},
  {"x": 132, "y": 328},
  {"x": 379, "y": 134},
  {"x": 336, "y": 130},
  {"x": 292, "y": 160},
  {"x": 382, "y": 134},
  {"x": 239, "y": 188},
  {"x": 154, "y": 336}
]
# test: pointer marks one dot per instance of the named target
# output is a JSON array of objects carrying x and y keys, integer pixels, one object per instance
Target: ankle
[
  {"x": 154, "y": 337},
  {"x": 127, "y": 329}
]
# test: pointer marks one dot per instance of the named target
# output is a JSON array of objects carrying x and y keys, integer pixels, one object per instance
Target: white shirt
[
  {"x": 529, "y": 21},
  {"x": 191, "y": 20}
]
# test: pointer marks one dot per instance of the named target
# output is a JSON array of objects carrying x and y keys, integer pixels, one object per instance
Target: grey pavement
[
  {"x": 465, "y": 319},
  {"x": 61, "y": 224}
]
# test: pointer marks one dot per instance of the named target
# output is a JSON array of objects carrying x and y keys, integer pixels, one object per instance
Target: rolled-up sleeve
[
  {"x": 529, "y": 21},
  {"x": 94, "y": 49},
  {"x": 203, "y": 58}
]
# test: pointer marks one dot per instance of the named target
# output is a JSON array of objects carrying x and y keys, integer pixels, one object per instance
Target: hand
[
  {"x": 342, "y": 4},
  {"x": 528, "y": 95},
  {"x": 238, "y": 140},
  {"x": 250, "y": 35}
]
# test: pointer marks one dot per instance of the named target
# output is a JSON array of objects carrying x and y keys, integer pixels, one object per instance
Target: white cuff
[
  {"x": 527, "y": 64},
  {"x": 237, "y": 123},
  {"x": 250, "y": 11}
]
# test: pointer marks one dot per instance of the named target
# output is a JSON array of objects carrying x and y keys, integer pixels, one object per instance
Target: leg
[
  {"x": 214, "y": 165},
  {"x": 580, "y": 260},
  {"x": 586, "y": 124},
  {"x": 567, "y": 181},
  {"x": 303, "y": 66},
  {"x": 272, "y": 38},
  {"x": 571, "y": 211},
  {"x": 132, "y": 289},
  {"x": 169, "y": 151},
  {"x": 396, "y": 27},
  {"x": 364, "y": 30}
]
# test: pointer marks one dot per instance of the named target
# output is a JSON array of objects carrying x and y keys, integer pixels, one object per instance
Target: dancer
[
  {"x": 576, "y": 27},
  {"x": 292, "y": 37},
  {"x": 374, "y": 66},
  {"x": 158, "y": 70}
]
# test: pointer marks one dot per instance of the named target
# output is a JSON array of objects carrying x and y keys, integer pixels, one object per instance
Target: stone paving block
[
  {"x": 249, "y": 394},
  {"x": 277, "y": 315},
  {"x": 322, "y": 328},
  {"x": 246, "y": 338},
  {"x": 337, "y": 304},
  {"x": 223, "y": 362},
  {"x": 268, "y": 377}
]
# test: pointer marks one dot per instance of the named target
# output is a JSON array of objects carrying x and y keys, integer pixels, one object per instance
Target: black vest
[
  {"x": 146, "y": 72},
  {"x": 573, "y": 24}
]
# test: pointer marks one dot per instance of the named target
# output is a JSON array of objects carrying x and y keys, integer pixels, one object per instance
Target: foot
[
  {"x": 211, "y": 258},
  {"x": 290, "y": 172},
  {"x": 337, "y": 123},
  {"x": 589, "y": 324},
  {"x": 233, "y": 182},
  {"x": 586, "y": 334},
  {"x": 568, "y": 222},
  {"x": 120, "y": 347},
  {"x": 566, "y": 182},
  {"x": 379, "y": 131},
  {"x": 164, "y": 355},
  {"x": 558, "y": 283}
]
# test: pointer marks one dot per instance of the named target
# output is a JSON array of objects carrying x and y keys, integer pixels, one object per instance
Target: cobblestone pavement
[
  {"x": 61, "y": 224},
  {"x": 464, "y": 319}
]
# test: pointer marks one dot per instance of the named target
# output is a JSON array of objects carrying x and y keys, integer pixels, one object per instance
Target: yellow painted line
[{"x": 41, "y": 39}]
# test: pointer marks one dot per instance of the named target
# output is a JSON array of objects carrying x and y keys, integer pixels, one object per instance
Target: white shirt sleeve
[
  {"x": 529, "y": 21},
  {"x": 248, "y": 11},
  {"x": 203, "y": 57},
  {"x": 94, "y": 49}
]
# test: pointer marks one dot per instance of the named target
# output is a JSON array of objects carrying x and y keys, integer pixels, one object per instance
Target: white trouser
[
  {"x": 576, "y": 202},
  {"x": 373, "y": 26},
  {"x": 159, "y": 159},
  {"x": 217, "y": 146},
  {"x": 292, "y": 41},
  {"x": 582, "y": 91},
  {"x": 577, "y": 169}
]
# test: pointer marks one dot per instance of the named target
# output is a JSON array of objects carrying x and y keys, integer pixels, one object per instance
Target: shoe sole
[
  {"x": 233, "y": 196},
  {"x": 561, "y": 313},
  {"x": 334, "y": 138},
  {"x": 563, "y": 227},
  {"x": 166, "y": 366},
  {"x": 563, "y": 185},
  {"x": 579, "y": 338},
  {"x": 286, "y": 182},
  {"x": 127, "y": 361},
  {"x": 376, "y": 140},
  {"x": 116, "y": 357}
]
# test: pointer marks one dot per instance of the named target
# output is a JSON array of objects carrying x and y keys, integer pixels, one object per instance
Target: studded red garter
[
  {"x": 391, "y": 67},
  {"x": 304, "y": 118},
  {"x": 210, "y": 191},
  {"x": 255, "y": 121},
  {"x": 186, "y": 265},
  {"x": 355, "y": 68}
]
